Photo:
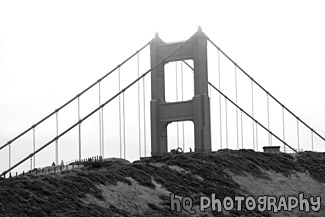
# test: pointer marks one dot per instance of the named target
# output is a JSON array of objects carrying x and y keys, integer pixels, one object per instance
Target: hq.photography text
[{"x": 261, "y": 203}]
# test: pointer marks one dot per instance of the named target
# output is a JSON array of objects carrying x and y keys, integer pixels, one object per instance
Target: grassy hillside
[{"x": 143, "y": 188}]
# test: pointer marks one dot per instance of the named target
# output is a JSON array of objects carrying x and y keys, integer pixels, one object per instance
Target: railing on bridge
[{"x": 255, "y": 128}]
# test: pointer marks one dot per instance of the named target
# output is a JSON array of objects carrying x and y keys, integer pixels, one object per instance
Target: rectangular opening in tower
[
  {"x": 179, "y": 81},
  {"x": 180, "y": 135}
]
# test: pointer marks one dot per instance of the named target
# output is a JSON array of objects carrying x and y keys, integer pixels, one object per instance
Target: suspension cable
[
  {"x": 243, "y": 111},
  {"x": 124, "y": 140},
  {"x": 103, "y": 146},
  {"x": 177, "y": 125},
  {"x": 144, "y": 118},
  {"x": 74, "y": 98},
  {"x": 253, "y": 123},
  {"x": 186, "y": 63},
  {"x": 220, "y": 100},
  {"x": 242, "y": 130},
  {"x": 236, "y": 107},
  {"x": 182, "y": 95},
  {"x": 268, "y": 118},
  {"x": 139, "y": 111},
  {"x": 256, "y": 136},
  {"x": 100, "y": 121},
  {"x": 79, "y": 129},
  {"x": 94, "y": 111},
  {"x": 226, "y": 122},
  {"x": 298, "y": 134},
  {"x": 57, "y": 141},
  {"x": 283, "y": 128},
  {"x": 312, "y": 141},
  {"x": 260, "y": 86},
  {"x": 31, "y": 163},
  {"x": 34, "y": 146},
  {"x": 9, "y": 156},
  {"x": 119, "y": 110}
]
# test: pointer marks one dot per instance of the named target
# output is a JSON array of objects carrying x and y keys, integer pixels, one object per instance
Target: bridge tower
[{"x": 196, "y": 110}]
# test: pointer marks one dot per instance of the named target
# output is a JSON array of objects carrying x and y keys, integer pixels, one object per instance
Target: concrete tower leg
[
  {"x": 158, "y": 131},
  {"x": 202, "y": 128}
]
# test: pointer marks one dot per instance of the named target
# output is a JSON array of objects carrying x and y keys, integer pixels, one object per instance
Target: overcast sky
[{"x": 51, "y": 50}]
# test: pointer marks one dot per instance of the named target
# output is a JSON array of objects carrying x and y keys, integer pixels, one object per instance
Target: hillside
[{"x": 144, "y": 188}]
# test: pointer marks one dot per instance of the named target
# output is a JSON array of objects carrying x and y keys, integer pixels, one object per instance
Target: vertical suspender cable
[
  {"x": 268, "y": 118},
  {"x": 102, "y": 112},
  {"x": 283, "y": 129},
  {"x": 177, "y": 101},
  {"x": 220, "y": 120},
  {"x": 298, "y": 133},
  {"x": 119, "y": 110},
  {"x": 57, "y": 140},
  {"x": 253, "y": 122},
  {"x": 31, "y": 158},
  {"x": 124, "y": 142},
  {"x": 182, "y": 95},
  {"x": 34, "y": 144},
  {"x": 139, "y": 113},
  {"x": 226, "y": 122},
  {"x": 31, "y": 163},
  {"x": 79, "y": 129},
  {"x": 312, "y": 140},
  {"x": 210, "y": 102},
  {"x": 242, "y": 129},
  {"x": 9, "y": 156},
  {"x": 256, "y": 136},
  {"x": 236, "y": 107},
  {"x": 144, "y": 117},
  {"x": 100, "y": 122}
]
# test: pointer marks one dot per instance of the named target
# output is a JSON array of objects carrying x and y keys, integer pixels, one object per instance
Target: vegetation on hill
[{"x": 91, "y": 191}]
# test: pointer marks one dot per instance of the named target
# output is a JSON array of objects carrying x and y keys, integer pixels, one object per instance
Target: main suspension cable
[
  {"x": 74, "y": 98},
  {"x": 248, "y": 115},
  {"x": 94, "y": 111},
  {"x": 260, "y": 86}
]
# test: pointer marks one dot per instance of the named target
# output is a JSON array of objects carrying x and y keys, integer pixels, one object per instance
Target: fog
[{"x": 51, "y": 51}]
